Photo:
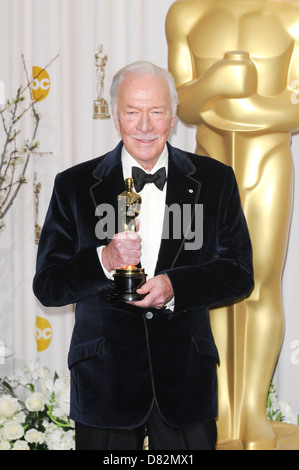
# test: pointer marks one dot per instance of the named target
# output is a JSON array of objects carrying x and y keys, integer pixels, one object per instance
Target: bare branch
[{"x": 16, "y": 155}]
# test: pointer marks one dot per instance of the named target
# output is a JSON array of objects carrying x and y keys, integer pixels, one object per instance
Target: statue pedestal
[
  {"x": 287, "y": 438},
  {"x": 100, "y": 109}
]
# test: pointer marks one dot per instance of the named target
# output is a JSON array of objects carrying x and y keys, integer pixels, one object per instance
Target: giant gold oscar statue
[{"x": 236, "y": 64}]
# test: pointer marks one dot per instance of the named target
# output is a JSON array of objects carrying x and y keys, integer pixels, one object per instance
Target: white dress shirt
[
  {"x": 151, "y": 216},
  {"x": 151, "y": 213}
]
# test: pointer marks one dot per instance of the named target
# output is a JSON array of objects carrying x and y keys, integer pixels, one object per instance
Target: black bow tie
[{"x": 140, "y": 178}]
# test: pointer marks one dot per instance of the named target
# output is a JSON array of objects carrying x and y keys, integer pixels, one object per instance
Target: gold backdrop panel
[{"x": 236, "y": 66}]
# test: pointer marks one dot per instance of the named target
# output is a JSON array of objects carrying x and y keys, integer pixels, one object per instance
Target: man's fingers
[
  {"x": 123, "y": 250},
  {"x": 158, "y": 291}
]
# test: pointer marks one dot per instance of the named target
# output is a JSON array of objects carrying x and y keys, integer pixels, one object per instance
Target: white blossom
[
  {"x": 35, "y": 402},
  {"x": 4, "y": 445},
  {"x": 8, "y": 405},
  {"x": 12, "y": 431},
  {"x": 287, "y": 413},
  {"x": 30, "y": 374},
  {"x": 34, "y": 436},
  {"x": 20, "y": 417},
  {"x": 21, "y": 445},
  {"x": 62, "y": 397},
  {"x": 58, "y": 439}
]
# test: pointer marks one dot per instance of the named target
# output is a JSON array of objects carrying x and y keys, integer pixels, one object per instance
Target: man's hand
[
  {"x": 158, "y": 292},
  {"x": 123, "y": 250}
]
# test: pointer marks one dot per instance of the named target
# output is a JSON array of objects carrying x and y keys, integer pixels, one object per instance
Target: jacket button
[{"x": 149, "y": 315}]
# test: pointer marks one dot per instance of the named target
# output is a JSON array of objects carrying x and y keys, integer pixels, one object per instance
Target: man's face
[{"x": 144, "y": 117}]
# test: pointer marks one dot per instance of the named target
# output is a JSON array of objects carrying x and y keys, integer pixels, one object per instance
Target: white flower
[
  {"x": 68, "y": 440},
  {"x": 34, "y": 436},
  {"x": 20, "y": 417},
  {"x": 21, "y": 445},
  {"x": 287, "y": 413},
  {"x": 57, "y": 438},
  {"x": 8, "y": 406},
  {"x": 53, "y": 436},
  {"x": 35, "y": 402},
  {"x": 46, "y": 381},
  {"x": 30, "y": 374},
  {"x": 62, "y": 397},
  {"x": 4, "y": 445},
  {"x": 12, "y": 431}
]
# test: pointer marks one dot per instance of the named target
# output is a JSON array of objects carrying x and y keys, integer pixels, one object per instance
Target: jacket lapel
[
  {"x": 109, "y": 184},
  {"x": 183, "y": 189}
]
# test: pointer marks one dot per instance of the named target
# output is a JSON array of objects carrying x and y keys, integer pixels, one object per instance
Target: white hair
[{"x": 142, "y": 68}]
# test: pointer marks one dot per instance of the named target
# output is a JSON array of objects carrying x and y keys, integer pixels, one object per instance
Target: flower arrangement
[
  {"x": 279, "y": 411},
  {"x": 37, "y": 417}
]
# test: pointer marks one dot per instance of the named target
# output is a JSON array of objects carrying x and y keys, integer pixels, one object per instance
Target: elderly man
[{"x": 149, "y": 363}]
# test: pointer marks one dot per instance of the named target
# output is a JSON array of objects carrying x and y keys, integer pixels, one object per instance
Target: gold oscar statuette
[
  {"x": 129, "y": 278},
  {"x": 100, "y": 105}
]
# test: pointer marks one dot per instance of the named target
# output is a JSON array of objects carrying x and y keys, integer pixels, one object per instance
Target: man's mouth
[{"x": 147, "y": 139}]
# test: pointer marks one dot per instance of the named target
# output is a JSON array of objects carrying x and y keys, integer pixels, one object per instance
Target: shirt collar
[{"x": 128, "y": 161}]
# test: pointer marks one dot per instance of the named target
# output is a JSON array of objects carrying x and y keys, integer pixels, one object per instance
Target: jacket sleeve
[
  {"x": 228, "y": 275},
  {"x": 64, "y": 273}
]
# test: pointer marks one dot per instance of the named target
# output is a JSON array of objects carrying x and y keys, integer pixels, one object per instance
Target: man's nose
[{"x": 145, "y": 123}]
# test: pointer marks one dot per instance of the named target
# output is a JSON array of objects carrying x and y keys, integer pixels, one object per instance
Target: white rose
[
  {"x": 34, "y": 436},
  {"x": 8, "y": 406},
  {"x": 21, "y": 445},
  {"x": 36, "y": 402},
  {"x": 12, "y": 431},
  {"x": 4, "y": 445}
]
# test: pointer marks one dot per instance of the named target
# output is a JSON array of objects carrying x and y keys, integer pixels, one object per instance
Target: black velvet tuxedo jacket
[{"x": 120, "y": 360}]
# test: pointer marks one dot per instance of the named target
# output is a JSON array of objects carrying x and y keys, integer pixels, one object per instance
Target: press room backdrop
[{"x": 72, "y": 32}]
